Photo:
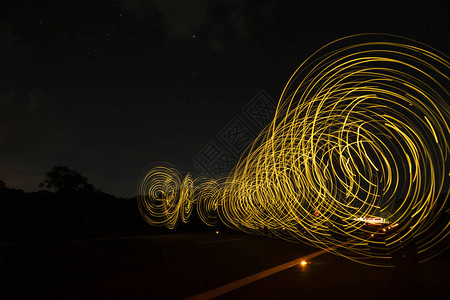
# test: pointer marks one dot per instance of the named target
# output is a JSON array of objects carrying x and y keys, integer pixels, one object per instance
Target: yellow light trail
[{"x": 361, "y": 130}]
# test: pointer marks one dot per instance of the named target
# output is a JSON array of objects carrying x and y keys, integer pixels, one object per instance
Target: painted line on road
[
  {"x": 221, "y": 241},
  {"x": 255, "y": 277}
]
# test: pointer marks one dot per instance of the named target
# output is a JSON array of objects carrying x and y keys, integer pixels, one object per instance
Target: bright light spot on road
[
  {"x": 217, "y": 231},
  {"x": 303, "y": 263}
]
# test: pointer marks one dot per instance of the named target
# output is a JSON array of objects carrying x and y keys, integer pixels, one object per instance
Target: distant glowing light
[{"x": 372, "y": 220}]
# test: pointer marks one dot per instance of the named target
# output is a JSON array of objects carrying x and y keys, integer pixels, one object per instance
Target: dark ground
[{"x": 176, "y": 266}]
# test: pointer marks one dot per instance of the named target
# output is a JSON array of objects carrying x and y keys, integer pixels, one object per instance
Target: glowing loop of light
[{"x": 360, "y": 131}]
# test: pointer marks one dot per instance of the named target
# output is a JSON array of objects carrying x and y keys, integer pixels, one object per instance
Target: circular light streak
[{"x": 361, "y": 132}]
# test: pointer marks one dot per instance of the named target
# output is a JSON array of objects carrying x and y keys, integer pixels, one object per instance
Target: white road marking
[{"x": 255, "y": 277}]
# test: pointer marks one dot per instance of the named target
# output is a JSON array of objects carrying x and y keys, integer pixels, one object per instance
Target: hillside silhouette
[{"x": 71, "y": 208}]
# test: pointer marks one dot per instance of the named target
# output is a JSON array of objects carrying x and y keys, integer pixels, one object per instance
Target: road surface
[{"x": 177, "y": 266}]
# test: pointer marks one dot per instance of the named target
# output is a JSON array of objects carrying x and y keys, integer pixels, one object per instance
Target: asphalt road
[{"x": 177, "y": 266}]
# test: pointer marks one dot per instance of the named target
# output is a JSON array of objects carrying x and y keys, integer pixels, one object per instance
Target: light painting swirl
[{"x": 361, "y": 132}]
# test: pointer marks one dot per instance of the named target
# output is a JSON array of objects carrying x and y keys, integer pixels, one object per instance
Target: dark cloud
[
  {"x": 12, "y": 51},
  {"x": 6, "y": 96},
  {"x": 182, "y": 18},
  {"x": 218, "y": 22},
  {"x": 7, "y": 37},
  {"x": 24, "y": 123}
]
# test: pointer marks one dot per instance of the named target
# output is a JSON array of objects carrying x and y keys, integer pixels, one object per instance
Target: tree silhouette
[
  {"x": 2, "y": 185},
  {"x": 61, "y": 179}
]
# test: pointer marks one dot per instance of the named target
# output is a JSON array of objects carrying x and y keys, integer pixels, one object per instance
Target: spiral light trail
[{"x": 361, "y": 131}]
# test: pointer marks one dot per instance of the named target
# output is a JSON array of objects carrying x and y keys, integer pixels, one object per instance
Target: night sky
[{"x": 108, "y": 87}]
